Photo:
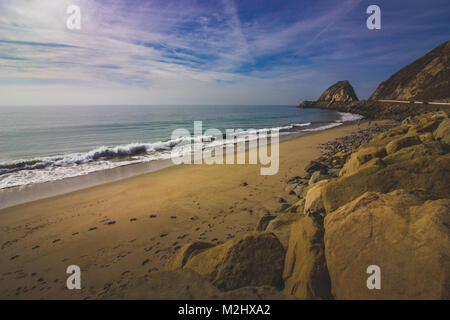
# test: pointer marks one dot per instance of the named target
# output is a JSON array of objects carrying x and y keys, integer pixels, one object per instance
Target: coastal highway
[{"x": 416, "y": 102}]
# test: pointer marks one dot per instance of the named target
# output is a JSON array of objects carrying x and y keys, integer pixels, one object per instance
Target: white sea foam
[
  {"x": 345, "y": 116},
  {"x": 37, "y": 170},
  {"x": 327, "y": 126}
]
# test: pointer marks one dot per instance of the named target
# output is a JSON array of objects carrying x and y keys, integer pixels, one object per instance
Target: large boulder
[
  {"x": 281, "y": 225},
  {"x": 305, "y": 272},
  {"x": 179, "y": 259},
  {"x": 433, "y": 148},
  {"x": 313, "y": 200},
  {"x": 402, "y": 142},
  {"x": 254, "y": 259},
  {"x": 165, "y": 285},
  {"x": 443, "y": 132},
  {"x": 264, "y": 221},
  {"x": 362, "y": 156},
  {"x": 341, "y": 91},
  {"x": 409, "y": 240},
  {"x": 428, "y": 173}
]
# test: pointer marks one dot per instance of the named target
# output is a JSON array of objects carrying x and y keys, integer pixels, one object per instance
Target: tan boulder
[
  {"x": 281, "y": 225},
  {"x": 410, "y": 153},
  {"x": 305, "y": 273},
  {"x": 254, "y": 259},
  {"x": 389, "y": 135},
  {"x": 408, "y": 239},
  {"x": 362, "y": 156},
  {"x": 426, "y": 137},
  {"x": 429, "y": 173},
  {"x": 300, "y": 190},
  {"x": 264, "y": 221},
  {"x": 316, "y": 177},
  {"x": 313, "y": 200},
  {"x": 402, "y": 142},
  {"x": 443, "y": 132},
  {"x": 179, "y": 259}
]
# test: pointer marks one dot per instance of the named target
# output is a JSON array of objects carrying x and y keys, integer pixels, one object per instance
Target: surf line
[{"x": 235, "y": 140}]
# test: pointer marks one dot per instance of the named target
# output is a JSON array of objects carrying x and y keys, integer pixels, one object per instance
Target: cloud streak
[{"x": 200, "y": 52}]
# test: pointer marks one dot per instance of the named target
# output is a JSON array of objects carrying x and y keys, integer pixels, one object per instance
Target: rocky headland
[{"x": 425, "y": 81}]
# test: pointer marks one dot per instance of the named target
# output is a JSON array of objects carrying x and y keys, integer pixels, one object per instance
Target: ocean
[{"x": 47, "y": 143}]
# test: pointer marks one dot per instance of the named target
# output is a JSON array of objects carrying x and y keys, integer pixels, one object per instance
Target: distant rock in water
[
  {"x": 341, "y": 91},
  {"x": 426, "y": 79}
]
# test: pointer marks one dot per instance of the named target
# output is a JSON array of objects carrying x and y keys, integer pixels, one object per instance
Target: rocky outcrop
[
  {"x": 281, "y": 225},
  {"x": 188, "y": 285},
  {"x": 442, "y": 133},
  {"x": 341, "y": 91},
  {"x": 179, "y": 259},
  {"x": 377, "y": 110},
  {"x": 313, "y": 201},
  {"x": 396, "y": 159},
  {"x": 305, "y": 272},
  {"x": 385, "y": 203},
  {"x": 254, "y": 259},
  {"x": 264, "y": 221},
  {"x": 403, "y": 170},
  {"x": 407, "y": 237},
  {"x": 426, "y": 79}
]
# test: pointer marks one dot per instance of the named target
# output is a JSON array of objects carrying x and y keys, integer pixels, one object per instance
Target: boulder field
[{"x": 387, "y": 204}]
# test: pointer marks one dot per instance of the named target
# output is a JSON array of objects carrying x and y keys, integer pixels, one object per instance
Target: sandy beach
[{"x": 128, "y": 228}]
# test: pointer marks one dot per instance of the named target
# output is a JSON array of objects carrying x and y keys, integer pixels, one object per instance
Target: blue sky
[{"x": 207, "y": 52}]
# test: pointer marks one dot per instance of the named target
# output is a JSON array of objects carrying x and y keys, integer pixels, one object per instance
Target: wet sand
[{"x": 128, "y": 228}]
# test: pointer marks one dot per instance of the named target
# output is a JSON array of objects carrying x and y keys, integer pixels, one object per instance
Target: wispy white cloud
[{"x": 184, "y": 51}]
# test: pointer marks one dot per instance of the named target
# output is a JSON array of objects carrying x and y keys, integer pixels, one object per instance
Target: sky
[{"x": 207, "y": 52}]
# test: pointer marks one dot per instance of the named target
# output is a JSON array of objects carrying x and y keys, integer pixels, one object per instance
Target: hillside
[{"x": 426, "y": 79}]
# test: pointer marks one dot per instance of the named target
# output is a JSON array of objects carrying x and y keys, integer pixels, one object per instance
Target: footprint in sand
[
  {"x": 56, "y": 240},
  {"x": 162, "y": 235},
  {"x": 183, "y": 236},
  {"x": 145, "y": 262},
  {"x": 92, "y": 229},
  {"x": 75, "y": 233},
  {"x": 15, "y": 257},
  {"x": 133, "y": 219},
  {"x": 152, "y": 216},
  {"x": 35, "y": 247},
  {"x": 173, "y": 217},
  {"x": 111, "y": 222}
]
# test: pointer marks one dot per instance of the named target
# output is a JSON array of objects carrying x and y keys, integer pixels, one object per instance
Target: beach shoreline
[
  {"x": 17, "y": 195},
  {"x": 119, "y": 231}
]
